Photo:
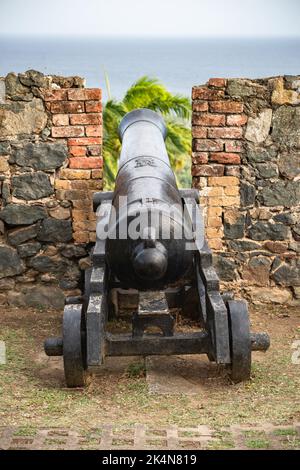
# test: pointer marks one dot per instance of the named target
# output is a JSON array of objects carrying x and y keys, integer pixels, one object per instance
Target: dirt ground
[{"x": 33, "y": 393}]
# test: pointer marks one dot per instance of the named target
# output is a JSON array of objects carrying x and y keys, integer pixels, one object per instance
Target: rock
[
  {"x": 21, "y": 235},
  {"x": 28, "y": 118},
  {"x": 38, "y": 297},
  {"x": 286, "y": 126},
  {"x": 28, "y": 249},
  {"x": 47, "y": 264},
  {"x": 258, "y": 128},
  {"x": 296, "y": 232},
  {"x": 68, "y": 284},
  {"x": 287, "y": 274},
  {"x": 41, "y": 155},
  {"x": 267, "y": 170},
  {"x": 225, "y": 268},
  {"x": 294, "y": 246},
  {"x": 73, "y": 251},
  {"x": 275, "y": 247},
  {"x": 21, "y": 214},
  {"x": 35, "y": 78},
  {"x": 15, "y": 90},
  {"x": 234, "y": 224},
  {"x": 284, "y": 217},
  {"x": 4, "y": 148},
  {"x": 2, "y": 228},
  {"x": 289, "y": 164},
  {"x": 50, "y": 250},
  {"x": 10, "y": 263},
  {"x": 257, "y": 270},
  {"x": 258, "y": 154},
  {"x": 282, "y": 96},
  {"x": 4, "y": 166},
  {"x": 30, "y": 186},
  {"x": 3, "y": 299},
  {"x": 243, "y": 245},
  {"x": 5, "y": 191},
  {"x": 247, "y": 194},
  {"x": 281, "y": 193},
  {"x": 53, "y": 230},
  {"x": 296, "y": 292},
  {"x": 60, "y": 213},
  {"x": 245, "y": 89},
  {"x": 268, "y": 231},
  {"x": 68, "y": 82},
  {"x": 85, "y": 263},
  {"x": 269, "y": 295},
  {"x": 7, "y": 283}
]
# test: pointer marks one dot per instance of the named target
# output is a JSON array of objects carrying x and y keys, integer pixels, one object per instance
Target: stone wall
[
  {"x": 50, "y": 166},
  {"x": 246, "y": 162}
]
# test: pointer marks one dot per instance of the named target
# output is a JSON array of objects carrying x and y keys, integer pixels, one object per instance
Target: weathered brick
[
  {"x": 199, "y": 106},
  {"x": 82, "y": 94},
  {"x": 54, "y": 95},
  {"x": 93, "y": 131},
  {"x": 223, "y": 181},
  {"x": 214, "y": 222},
  {"x": 79, "y": 184},
  {"x": 74, "y": 194},
  {"x": 205, "y": 93},
  {"x": 207, "y": 119},
  {"x": 92, "y": 119},
  {"x": 208, "y": 170},
  {"x": 226, "y": 107},
  {"x": 77, "y": 150},
  {"x": 207, "y": 145},
  {"x": 225, "y": 133},
  {"x": 81, "y": 225},
  {"x": 94, "y": 150},
  {"x": 224, "y": 201},
  {"x": 199, "y": 158},
  {"x": 95, "y": 184},
  {"x": 67, "y": 131},
  {"x": 88, "y": 162},
  {"x": 199, "y": 132},
  {"x": 61, "y": 184},
  {"x": 237, "y": 120},
  {"x": 97, "y": 174},
  {"x": 232, "y": 170},
  {"x": 217, "y": 82},
  {"x": 233, "y": 146},
  {"x": 67, "y": 107},
  {"x": 79, "y": 215},
  {"x": 93, "y": 237},
  {"x": 214, "y": 211},
  {"x": 68, "y": 174},
  {"x": 213, "y": 191},
  {"x": 212, "y": 232},
  {"x": 93, "y": 106},
  {"x": 81, "y": 237},
  {"x": 60, "y": 119},
  {"x": 232, "y": 190},
  {"x": 222, "y": 157},
  {"x": 85, "y": 141},
  {"x": 215, "y": 244},
  {"x": 85, "y": 204}
]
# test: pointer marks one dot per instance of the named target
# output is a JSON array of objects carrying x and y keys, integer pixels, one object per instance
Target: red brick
[
  {"x": 93, "y": 131},
  {"x": 199, "y": 106},
  {"x": 217, "y": 82},
  {"x": 54, "y": 95},
  {"x": 93, "y": 119},
  {"x": 204, "y": 93},
  {"x": 233, "y": 146},
  {"x": 60, "y": 119},
  {"x": 67, "y": 131},
  {"x": 93, "y": 94},
  {"x": 226, "y": 107},
  {"x": 237, "y": 120},
  {"x": 89, "y": 162},
  {"x": 208, "y": 170},
  {"x": 77, "y": 151},
  {"x": 225, "y": 133},
  {"x": 199, "y": 158},
  {"x": 97, "y": 174},
  {"x": 84, "y": 94},
  {"x": 94, "y": 150},
  {"x": 85, "y": 141},
  {"x": 199, "y": 132},
  {"x": 66, "y": 107},
  {"x": 207, "y": 145},
  {"x": 222, "y": 157},
  {"x": 93, "y": 106},
  {"x": 207, "y": 119}
]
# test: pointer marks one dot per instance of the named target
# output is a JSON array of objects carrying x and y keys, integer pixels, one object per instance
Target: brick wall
[{"x": 246, "y": 164}]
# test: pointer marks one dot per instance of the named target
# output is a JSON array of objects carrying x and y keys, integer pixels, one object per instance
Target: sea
[{"x": 178, "y": 63}]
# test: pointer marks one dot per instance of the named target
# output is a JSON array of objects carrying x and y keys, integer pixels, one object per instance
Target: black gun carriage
[{"x": 161, "y": 265}]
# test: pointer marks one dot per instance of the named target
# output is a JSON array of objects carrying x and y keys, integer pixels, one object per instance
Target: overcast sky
[{"x": 151, "y": 17}]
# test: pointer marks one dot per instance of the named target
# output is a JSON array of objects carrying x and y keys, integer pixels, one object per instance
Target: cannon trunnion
[{"x": 151, "y": 247}]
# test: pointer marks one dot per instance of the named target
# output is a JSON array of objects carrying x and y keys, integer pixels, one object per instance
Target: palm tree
[{"x": 176, "y": 109}]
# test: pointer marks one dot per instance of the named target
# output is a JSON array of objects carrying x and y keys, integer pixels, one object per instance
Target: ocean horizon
[{"x": 179, "y": 63}]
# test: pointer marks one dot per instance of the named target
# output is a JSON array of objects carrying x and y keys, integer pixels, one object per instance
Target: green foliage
[{"x": 176, "y": 110}]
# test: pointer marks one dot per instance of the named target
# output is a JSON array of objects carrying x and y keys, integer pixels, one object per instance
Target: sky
[{"x": 160, "y": 18}]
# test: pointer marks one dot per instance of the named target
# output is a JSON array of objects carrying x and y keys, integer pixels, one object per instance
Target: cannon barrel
[{"x": 146, "y": 188}]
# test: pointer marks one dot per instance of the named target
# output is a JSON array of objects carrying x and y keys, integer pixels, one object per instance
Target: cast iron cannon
[{"x": 150, "y": 246}]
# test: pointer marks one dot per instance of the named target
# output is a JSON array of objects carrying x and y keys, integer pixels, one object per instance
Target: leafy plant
[{"x": 176, "y": 109}]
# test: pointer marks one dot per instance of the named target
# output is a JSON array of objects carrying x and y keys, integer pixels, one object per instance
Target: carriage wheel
[
  {"x": 240, "y": 341},
  {"x": 74, "y": 346}
]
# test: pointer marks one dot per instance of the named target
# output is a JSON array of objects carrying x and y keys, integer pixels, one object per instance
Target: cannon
[{"x": 151, "y": 246}]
